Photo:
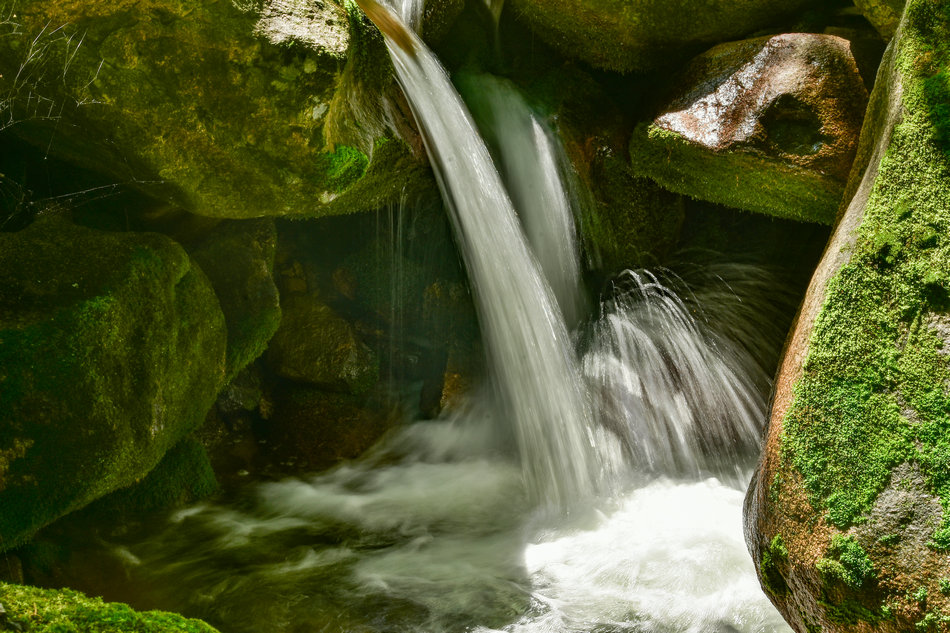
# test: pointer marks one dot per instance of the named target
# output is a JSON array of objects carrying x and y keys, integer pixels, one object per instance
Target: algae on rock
[
  {"x": 862, "y": 412},
  {"x": 112, "y": 349}
]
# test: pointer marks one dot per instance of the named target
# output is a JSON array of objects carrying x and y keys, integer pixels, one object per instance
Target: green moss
[
  {"x": 872, "y": 392},
  {"x": 774, "y": 559},
  {"x": 849, "y": 563},
  {"x": 734, "y": 179},
  {"x": 66, "y": 611},
  {"x": 111, "y": 350}
]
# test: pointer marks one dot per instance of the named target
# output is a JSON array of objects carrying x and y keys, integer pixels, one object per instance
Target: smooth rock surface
[
  {"x": 768, "y": 125},
  {"x": 623, "y": 35},
  {"x": 884, "y": 15}
]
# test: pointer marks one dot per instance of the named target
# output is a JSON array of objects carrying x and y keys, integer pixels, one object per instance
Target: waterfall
[{"x": 530, "y": 356}]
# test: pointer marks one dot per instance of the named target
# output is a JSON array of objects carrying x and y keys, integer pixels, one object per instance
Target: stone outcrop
[
  {"x": 238, "y": 257},
  {"x": 636, "y": 36},
  {"x": 225, "y": 111},
  {"x": 112, "y": 349},
  {"x": 768, "y": 125},
  {"x": 884, "y": 15},
  {"x": 847, "y": 515}
]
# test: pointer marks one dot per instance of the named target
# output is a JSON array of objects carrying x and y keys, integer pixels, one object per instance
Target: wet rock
[
  {"x": 884, "y": 15},
  {"x": 222, "y": 109},
  {"x": 315, "y": 344},
  {"x": 767, "y": 125},
  {"x": 238, "y": 257},
  {"x": 637, "y": 36},
  {"x": 111, "y": 350},
  {"x": 847, "y": 513},
  {"x": 628, "y": 221}
]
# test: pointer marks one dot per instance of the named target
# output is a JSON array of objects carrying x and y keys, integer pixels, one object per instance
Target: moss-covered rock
[
  {"x": 768, "y": 125},
  {"x": 315, "y": 344},
  {"x": 624, "y": 35},
  {"x": 65, "y": 611},
  {"x": 855, "y": 474},
  {"x": 225, "y": 109},
  {"x": 111, "y": 350},
  {"x": 885, "y": 15},
  {"x": 238, "y": 257}
]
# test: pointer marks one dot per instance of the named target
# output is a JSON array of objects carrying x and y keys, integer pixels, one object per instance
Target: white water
[{"x": 441, "y": 528}]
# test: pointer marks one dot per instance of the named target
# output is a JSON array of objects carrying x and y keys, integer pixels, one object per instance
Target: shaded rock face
[
  {"x": 885, "y": 15},
  {"x": 635, "y": 36},
  {"x": 314, "y": 344},
  {"x": 112, "y": 349},
  {"x": 767, "y": 125},
  {"x": 847, "y": 515},
  {"x": 238, "y": 257},
  {"x": 224, "y": 112}
]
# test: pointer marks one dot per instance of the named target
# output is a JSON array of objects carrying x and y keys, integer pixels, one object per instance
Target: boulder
[
  {"x": 314, "y": 344},
  {"x": 224, "y": 109},
  {"x": 768, "y": 125},
  {"x": 112, "y": 349},
  {"x": 238, "y": 257},
  {"x": 884, "y": 15},
  {"x": 847, "y": 515},
  {"x": 624, "y": 36},
  {"x": 58, "y": 610}
]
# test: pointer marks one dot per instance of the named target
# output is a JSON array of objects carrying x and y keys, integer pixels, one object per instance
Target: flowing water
[{"x": 594, "y": 485}]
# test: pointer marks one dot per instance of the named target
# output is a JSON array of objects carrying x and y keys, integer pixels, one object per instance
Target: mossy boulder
[
  {"x": 626, "y": 35},
  {"x": 884, "y": 15},
  {"x": 112, "y": 349},
  {"x": 66, "y": 611},
  {"x": 855, "y": 474},
  {"x": 315, "y": 344},
  {"x": 238, "y": 258},
  {"x": 768, "y": 125},
  {"x": 227, "y": 109}
]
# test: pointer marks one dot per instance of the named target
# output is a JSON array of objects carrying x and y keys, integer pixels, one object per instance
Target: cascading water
[{"x": 441, "y": 529}]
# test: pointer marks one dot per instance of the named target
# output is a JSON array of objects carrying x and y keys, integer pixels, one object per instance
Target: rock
[
  {"x": 884, "y": 15},
  {"x": 315, "y": 344},
  {"x": 53, "y": 610},
  {"x": 311, "y": 429},
  {"x": 629, "y": 221},
  {"x": 238, "y": 257},
  {"x": 223, "y": 111},
  {"x": 847, "y": 513},
  {"x": 111, "y": 350},
  {"x": 767, "y": 125},
  {"x": 635, "y": 36}
]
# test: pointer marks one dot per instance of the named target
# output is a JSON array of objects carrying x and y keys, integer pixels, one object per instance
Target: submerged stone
[
  {"x": 855, "y": 474},
  {"x": 627, "y": 36},
  {"x": 111, "y": 350},
  {"x": 767, "y": 125}
]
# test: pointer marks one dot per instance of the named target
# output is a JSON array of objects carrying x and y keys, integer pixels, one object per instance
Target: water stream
[{"x": 595, "y": 483}]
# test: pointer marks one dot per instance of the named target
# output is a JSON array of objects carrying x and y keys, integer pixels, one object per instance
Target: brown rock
[{"x": 767, "y": 125}]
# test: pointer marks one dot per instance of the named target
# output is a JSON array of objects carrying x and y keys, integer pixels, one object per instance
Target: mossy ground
[{"x": 66, "y": 611}]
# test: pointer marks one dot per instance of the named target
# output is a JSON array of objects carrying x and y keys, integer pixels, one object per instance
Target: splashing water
[{"x": 441, "y": 528}]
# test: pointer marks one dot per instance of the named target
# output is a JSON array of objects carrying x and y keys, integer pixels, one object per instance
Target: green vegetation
[
  {"x": 66, "y": 611},
  {"x": 737, "y": 180},
  {"x": 872, "y": 394},
  {"x": 774, "y": 559},
  {"x": 848, "y": 562},
  {"x": 111, "y": 351}
]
